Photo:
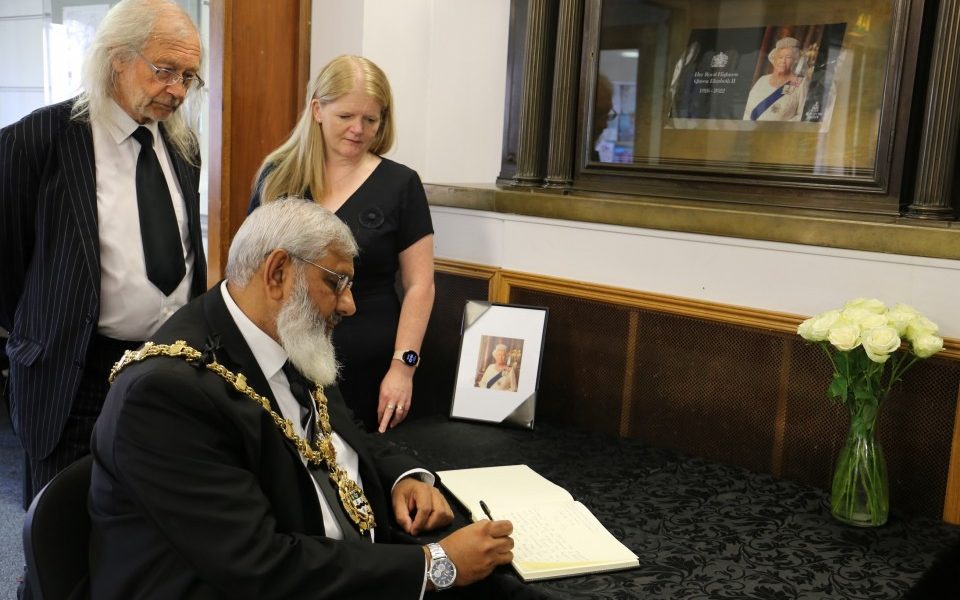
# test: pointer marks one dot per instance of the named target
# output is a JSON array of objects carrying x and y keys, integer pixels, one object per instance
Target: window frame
[{"x": 882, "y": 194}]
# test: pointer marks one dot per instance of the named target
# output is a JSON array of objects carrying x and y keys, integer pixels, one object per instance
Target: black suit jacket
[
  {"x": 50, "y": 263},
  {"x": 195, "y": 493}
]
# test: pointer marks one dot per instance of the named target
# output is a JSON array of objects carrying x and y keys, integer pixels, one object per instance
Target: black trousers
[{"x": 74, "y": 442}]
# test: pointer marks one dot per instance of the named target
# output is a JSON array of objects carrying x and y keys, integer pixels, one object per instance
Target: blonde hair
[
  {"x": 123, "y": 32},
  {"x": 298, "y": 164}
]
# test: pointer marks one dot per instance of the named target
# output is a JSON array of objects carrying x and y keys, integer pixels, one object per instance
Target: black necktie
[
  {"x": 162, "y": 249},
  {"x": 300, "y": 388}
]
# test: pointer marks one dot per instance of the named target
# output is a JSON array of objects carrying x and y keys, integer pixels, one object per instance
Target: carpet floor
[{"x": 11, "y": 513}]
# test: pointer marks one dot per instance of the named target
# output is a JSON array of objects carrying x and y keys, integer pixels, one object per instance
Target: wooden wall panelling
[
  {"x": 672, "y": 304},
  {"x": 917, "y": 430},
  {"x": 629, "y": 375},
  {"x": 707, "y": 389},
  {"x": 465, "y": 269},
  {"x": 710, "y": 311},
  {"x": 584, "y": 363},
  {"x": 259, "y": 64},
  {"x": 951, "y": 504}
]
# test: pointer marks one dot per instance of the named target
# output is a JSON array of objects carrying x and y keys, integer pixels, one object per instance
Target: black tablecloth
[{"x": 701, "y": 529}]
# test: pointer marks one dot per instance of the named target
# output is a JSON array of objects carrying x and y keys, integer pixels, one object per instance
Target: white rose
[
  {"x": 920, "y": 326},
  {"x": 927, "y": 345},
  {"x": 871, "y": 320},
  {"x": 844, "y": 336},
  {"x": 816, "y": 328},
  {"x": 868, "y": 304},
  {"x": 879, "y": 342},
  {"x": 900, "y": 316},
  {"x": 907, "y": 309},
  {"x": 855, "y": 314}
]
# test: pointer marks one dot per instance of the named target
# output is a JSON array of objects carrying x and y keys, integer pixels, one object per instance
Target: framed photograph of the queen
[
  {"x": 498, "y": 372},
  {"x": 799, "y": 94},
  {"x": 782, "y": 73}
]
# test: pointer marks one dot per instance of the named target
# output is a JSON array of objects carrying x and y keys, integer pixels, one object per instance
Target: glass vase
[{"x": 860, "y": 493}]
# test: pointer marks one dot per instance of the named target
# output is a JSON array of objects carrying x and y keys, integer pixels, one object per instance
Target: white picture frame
[{"x": 498, "y": 369}]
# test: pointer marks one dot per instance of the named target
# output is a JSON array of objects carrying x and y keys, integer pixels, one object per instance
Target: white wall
[
  {"x": 336, "y": 28},
  {"x": 446, "y": 60},
  {"x": 21, "y": 58}
]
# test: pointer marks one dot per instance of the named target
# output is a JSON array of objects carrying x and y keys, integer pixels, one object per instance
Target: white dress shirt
[
  {"x": 271, "y": 357},
  {"x": 131, "y": 306}
]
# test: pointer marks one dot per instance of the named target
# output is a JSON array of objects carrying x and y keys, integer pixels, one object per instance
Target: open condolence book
[{"x": 553, "y": 534}]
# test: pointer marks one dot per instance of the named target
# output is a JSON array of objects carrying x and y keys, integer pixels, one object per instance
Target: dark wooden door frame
[{"x": 259, "y": 55}]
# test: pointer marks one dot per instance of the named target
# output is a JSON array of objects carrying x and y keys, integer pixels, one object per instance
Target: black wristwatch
[
  {"x": 407, "y": 357},
  {"x": 442, "y": 572}
]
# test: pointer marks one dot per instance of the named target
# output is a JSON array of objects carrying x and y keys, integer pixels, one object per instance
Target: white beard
[{"x": 304, "y": 334}]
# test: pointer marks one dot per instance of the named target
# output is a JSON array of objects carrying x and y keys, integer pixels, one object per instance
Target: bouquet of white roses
[
  {"x": 870, "y": 348},
  {"x": 860, "y": 338}
]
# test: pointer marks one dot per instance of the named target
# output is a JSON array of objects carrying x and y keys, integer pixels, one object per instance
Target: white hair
[
  {"x": 123, "y": 32},
  {"x": 305, "y": 336},
  {"x": 786, "y": 42},
  {"x": 301, "y": 227}
]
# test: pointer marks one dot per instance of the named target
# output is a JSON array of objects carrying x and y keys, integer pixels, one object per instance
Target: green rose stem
[{"x": 859, "y": 493}]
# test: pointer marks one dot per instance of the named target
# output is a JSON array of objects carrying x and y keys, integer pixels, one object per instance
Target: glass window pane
[{"x": 742, "y": 86}]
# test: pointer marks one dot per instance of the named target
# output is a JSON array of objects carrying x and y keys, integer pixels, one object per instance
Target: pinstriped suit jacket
[{"x": 50, "y": 264}]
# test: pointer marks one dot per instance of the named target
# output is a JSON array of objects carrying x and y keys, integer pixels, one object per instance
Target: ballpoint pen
[{"x": 486, "y": 509}]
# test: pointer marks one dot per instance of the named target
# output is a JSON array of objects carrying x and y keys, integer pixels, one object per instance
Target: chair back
[{"x": 56, "y": 536}]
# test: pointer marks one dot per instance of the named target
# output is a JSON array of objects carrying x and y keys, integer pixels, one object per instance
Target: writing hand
[{"x": 479, "y": 548}]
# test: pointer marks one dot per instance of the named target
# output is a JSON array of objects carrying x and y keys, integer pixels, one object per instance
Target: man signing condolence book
[{"x": 226, "y": 464}]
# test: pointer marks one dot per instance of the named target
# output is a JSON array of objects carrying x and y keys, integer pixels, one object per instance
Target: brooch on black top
[{"x": 371, "y": 218}]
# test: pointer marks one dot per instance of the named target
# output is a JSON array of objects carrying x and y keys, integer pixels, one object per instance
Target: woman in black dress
[{"x": 333, "y": 156}]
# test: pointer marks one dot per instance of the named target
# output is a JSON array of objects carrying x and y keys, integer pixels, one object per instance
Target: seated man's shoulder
[
  {"x": 171, "y": 390},
  {"x": 160, "y": 372}
]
